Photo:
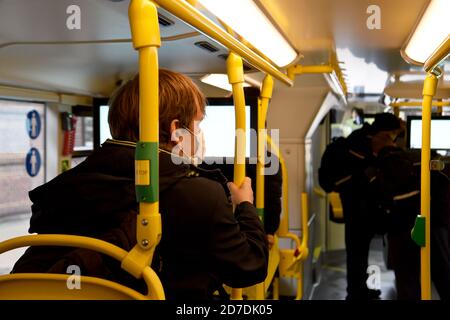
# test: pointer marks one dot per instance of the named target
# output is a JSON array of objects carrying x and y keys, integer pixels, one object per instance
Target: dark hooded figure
[{"x": 363, "y": 146}]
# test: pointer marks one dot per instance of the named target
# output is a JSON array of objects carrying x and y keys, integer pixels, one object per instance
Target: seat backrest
[
  {"x": 42, "y": 286},
  {"x": 337, "y": 214}
]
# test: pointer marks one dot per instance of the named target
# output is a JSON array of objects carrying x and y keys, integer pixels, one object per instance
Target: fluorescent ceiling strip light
[
  {"x": 219, "y": 80},
  {"x": 335, "y": 85},
  {"x": 247, "y": 19},
  {"x": 432, "y": 30}
]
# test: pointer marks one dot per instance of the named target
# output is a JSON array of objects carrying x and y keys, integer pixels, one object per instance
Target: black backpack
[
  {"x": 397, "y": 189},
  {"x": 334, "y": 169}
]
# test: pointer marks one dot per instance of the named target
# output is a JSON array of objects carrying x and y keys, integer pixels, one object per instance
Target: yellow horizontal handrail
[
  {"x": 63, "y": 240},
  {"x": 186, "y": 12},
  {"x": 175, "y": 37},
  {"x": 155, "y": 288},
  {"x": 301, "y": 69},
  {"x": 418, "y": 104}
]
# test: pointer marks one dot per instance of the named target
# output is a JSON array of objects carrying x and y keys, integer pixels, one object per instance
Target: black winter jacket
[
  {"x": 203, "y": 245},
  {"x": 272, "y": 190}
]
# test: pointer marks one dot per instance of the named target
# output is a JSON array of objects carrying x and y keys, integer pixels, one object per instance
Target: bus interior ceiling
[{"x": 38, "y": 51}]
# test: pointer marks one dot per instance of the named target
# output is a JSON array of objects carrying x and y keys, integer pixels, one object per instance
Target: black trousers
[
  {"x": 358, "y": 235},
  {"x": 357, "y": 245},
  {"x": 404, "y": 258},
  {"x": 440, "y": 261}
]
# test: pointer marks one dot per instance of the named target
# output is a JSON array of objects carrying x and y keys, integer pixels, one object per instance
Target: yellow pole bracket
[
  {"x": 437, "y": 57},
  {"x": 331, "y": 68},
  {"x": 299, "y": 69}
]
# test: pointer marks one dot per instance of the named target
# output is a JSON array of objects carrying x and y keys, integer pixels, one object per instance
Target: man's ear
[{"x": 174, "y": 125}]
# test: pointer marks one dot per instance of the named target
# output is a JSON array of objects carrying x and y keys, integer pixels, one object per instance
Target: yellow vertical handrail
[
  {"x": 146, "y": 39},
  {"x": 304, "y": 218},
  {"x": 299, "y": 295},
  {"x": 235, "y": 70},
  {"x": 283, "y": 230},
  {"x": 429, "y": 90},
  {"x": 276, "y": 288},
  {"x": 263, "y": 105},
  {"x": 304, "y": 250},
  {"x": 265, "y": 96}
]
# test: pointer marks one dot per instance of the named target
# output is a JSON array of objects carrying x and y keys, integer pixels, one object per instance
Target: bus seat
[
  {"x": 336, "y": 204},
  {"x": 45, "y": 286}
]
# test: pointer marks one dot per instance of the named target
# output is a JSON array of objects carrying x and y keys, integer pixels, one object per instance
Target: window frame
[{"x": 83, "y": 111}]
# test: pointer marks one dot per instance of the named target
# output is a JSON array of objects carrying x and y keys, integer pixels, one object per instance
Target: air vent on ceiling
[
  {"x": 164, "y": 21},
  {"x": 247, "y": 67},
  {"x": 206, "y": 46}
]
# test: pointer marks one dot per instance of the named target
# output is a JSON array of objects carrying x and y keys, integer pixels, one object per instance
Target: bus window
[
  {"x": 84, "y": 138},
  {"x": 22, "y": 168}
]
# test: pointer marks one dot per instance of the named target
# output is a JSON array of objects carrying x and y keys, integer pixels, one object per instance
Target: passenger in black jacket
[
  {"x": 397, "y": 186},
  {"x": 364, "y": 145},
  {"x": 204, "y": 244},
  {"x": 273, "y": 183}
]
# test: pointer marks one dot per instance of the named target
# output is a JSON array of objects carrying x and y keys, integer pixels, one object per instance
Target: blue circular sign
[
  {"x": 33, "y": 124},
  {"x": 33, "y": 162}
]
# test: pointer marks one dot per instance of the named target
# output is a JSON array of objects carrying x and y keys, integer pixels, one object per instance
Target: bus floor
[
  {"x": 333, "y": 283},
  {"x": 12, "y": 226}
]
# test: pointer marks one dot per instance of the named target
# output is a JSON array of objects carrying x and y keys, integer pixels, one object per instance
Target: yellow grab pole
[
  {"x": 235, "y": 71},
  {"x": 146, "y": 38},
  {"x": 429, "y": 90},
  {"x": 299, "y": 295},
  {"x": 266, "y": 95},
  {"x": 276, "y": 288},
  {"x": 263, "y": 105},
  {"x": 283, "y": 230},
  {"x": 304, "y": 218},
  {"x": 397, "y": 112},
  {"x": 304, "y": 250},
  {"x": 236, "y": 79},
  {"x": 440, "y": 109}
]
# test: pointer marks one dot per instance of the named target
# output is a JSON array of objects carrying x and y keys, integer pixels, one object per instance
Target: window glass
[
  {"x": 84, "y": 135},
  {"x": 22, "y": 168}
]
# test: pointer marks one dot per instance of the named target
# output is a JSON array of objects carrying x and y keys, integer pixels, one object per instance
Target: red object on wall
[{"x": 68, "y": 122}]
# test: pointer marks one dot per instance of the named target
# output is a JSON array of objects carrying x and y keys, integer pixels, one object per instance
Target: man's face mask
[{"x": 191, "y": 145}]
